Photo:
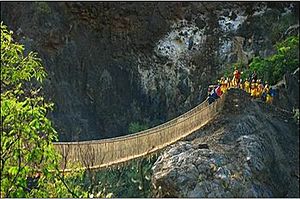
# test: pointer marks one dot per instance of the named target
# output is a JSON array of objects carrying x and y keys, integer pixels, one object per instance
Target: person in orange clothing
[
  {"x": 247, "y": 86},
  {"x": 269, "y": 98},
  {"x": 232, "y": 85},
  {"x": 260, "y": 88},
  {"x": 223, "y": 85},
  {"x": 227, "y": 82},
  {"x": 253, "y": 87}
]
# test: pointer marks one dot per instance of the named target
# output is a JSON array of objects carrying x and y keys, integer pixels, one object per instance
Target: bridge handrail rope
[
  {"x": 117, "y": 150},
  {"x": 140, "y": 133}
]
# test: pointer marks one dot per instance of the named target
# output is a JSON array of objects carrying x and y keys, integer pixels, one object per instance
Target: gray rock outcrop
[{"x": 249, "y": 150}]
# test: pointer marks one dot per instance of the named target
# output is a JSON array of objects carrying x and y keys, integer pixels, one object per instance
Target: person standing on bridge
[
  {"x": 210, "y": 92},
  {"x": 212, "y": 96}
]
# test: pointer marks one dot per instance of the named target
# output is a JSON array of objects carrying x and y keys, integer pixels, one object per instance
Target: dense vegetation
[
  {"x": 29, "y": 163},
  {"x": 26, "y": 148},
  {"x": 272, "y": 68},
  {"x": 285, "y": 60}
]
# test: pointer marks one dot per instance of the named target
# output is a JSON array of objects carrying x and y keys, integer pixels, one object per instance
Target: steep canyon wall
[{"x": 111, "y": 63}]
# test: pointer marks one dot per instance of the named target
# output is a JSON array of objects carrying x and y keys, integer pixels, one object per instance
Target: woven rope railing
[{"x": 106, "y": 152}]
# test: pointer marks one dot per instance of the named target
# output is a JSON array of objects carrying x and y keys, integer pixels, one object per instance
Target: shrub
[
  {"x": 285, "y": 60},
  {"x": 27, "y": 133},
  {"x": 29, "y": 162}
]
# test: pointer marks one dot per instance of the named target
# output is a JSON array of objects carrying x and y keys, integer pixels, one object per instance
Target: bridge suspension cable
[{"x": 97, "y": 154}]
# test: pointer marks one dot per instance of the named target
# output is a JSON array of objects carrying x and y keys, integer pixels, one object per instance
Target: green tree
[
  {"x": 286, "y": 59},
  {"x": 27, "y": 134},
  {"x": 29, "y": 162},
  {"x": 271, "y": 68}
]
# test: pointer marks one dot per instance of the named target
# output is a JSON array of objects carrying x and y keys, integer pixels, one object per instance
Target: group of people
[{"x": 252, "y": 85}]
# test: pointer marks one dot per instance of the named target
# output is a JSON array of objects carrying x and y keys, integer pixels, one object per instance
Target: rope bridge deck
[{"x": 97, "y": 154}]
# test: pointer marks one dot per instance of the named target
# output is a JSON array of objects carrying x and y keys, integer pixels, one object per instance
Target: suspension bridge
[{"x": 103, "y": 153}]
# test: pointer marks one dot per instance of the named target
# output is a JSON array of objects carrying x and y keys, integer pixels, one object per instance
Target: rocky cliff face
[
  {"x": 249, "y": 150},
  {"x": 111, "y": 63}
]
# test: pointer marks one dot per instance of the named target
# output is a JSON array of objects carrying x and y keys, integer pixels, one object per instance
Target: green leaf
[
  {"x": 13, "y": 170},
  {"x": 23, "y": 114}
]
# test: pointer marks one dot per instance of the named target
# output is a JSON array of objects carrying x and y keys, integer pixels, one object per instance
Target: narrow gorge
[
  {"x": 118, "y": 68},
  {"x": 113, "y": 63}
]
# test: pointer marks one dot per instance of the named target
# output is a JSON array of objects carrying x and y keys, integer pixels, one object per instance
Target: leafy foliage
[
  {"x": 272, "y": 68},
  {"x": 27, "y": 133},
  {"x": 29, "y": 162},
  {"x": 285, "y": 60}
]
